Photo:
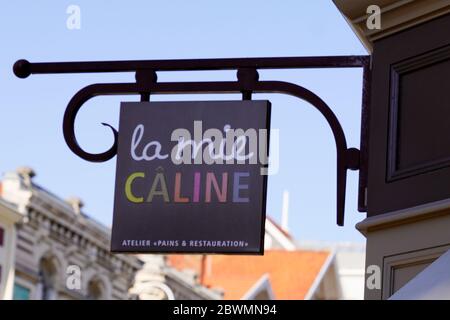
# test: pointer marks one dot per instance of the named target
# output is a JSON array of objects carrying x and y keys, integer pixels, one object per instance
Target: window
[
  {"x": 95, "y": 290},
  {"x": 48, "y": 273},
  {"x": 21, "y": 292}
]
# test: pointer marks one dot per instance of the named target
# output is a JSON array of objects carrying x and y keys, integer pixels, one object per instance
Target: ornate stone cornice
[{"x": 78, "y": 236}]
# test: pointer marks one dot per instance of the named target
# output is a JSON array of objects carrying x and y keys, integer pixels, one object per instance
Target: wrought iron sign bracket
[{"x": 247, "y": 84}]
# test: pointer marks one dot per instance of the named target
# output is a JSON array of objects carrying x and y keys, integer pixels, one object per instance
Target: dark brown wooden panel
[
  {"x": 409, "y": 159},
  {"x": 418, "y": 131}
]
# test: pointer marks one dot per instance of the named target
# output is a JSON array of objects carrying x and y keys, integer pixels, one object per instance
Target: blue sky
[{"x": 32, "y": 109}]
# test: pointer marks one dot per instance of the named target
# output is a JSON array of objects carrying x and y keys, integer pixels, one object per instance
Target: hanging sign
[{"x": 191, "y": 177}]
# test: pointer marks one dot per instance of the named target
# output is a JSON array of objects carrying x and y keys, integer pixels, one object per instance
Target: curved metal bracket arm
[{"x": 247, "y": 83}]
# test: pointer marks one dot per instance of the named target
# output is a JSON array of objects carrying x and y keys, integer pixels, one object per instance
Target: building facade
[
  {"x": 60, "y": 252},
  {"x": 407, "y": 198},
  {"x": 9, "y": 217}
]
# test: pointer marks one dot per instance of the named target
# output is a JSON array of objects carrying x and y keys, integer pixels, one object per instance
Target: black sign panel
[{"x": 191, "y": 177}]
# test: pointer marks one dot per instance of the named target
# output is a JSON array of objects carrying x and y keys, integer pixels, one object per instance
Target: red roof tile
[{"x": 291, "y": 273}]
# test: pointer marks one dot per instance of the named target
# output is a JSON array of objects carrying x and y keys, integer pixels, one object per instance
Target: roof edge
[{"x": 396, "y": 16}]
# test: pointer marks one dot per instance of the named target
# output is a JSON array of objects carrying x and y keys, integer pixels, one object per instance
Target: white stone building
[
  {"x": 60, "y": 252},
  {"x": 8, "y": 219}
]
